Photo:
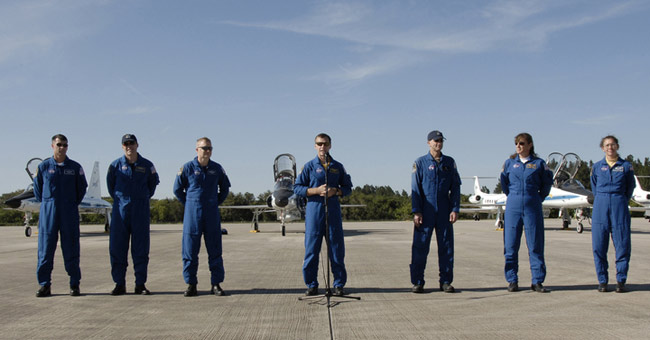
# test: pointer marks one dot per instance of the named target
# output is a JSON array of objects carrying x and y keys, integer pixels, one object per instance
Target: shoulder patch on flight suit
[
  {"x": 180, "y": 172},
  {"x": 81, "y": 171},
  {"x": 153, "y": 169},
  {"x": 415, "y": 167}
]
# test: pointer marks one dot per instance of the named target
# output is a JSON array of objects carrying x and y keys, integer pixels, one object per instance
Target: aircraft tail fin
[
  {"x": 477, "y": 186},
  {"x": 94, "y": 188}
]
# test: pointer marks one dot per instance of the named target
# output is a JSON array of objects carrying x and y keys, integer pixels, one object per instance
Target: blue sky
[{"x": 262, "y": 78}]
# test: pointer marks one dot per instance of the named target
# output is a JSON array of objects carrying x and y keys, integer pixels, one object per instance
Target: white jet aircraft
[
  {"x": 641, "y": 197},
  {"x": 283, "y": 201},
  {"x": 566, "y": 193},
  {"x": 92, "y": 202}
]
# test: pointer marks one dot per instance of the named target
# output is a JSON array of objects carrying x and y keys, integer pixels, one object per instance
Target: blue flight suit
[
  {"x": 201, "y": 190},
  {"x": 313, "y": 176},
  {"x": 60, "y": 188},
  {"x": 526, "y": 185},
  {"x": 435, "y": 193},
  {"x": 612, "y": 188},
  {"x": 131, "y": 186}
]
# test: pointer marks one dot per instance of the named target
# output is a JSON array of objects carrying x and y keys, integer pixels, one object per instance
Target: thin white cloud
[
  {"x": 524, "y": 23},
  {"x": 381, "y": 64},
  {"x": 130, "y": 86},
  {"x": 34, "y": 26},
  {"x": 599, "y": 121},
  {"x": 139, "y": 110},
  {"x": 424, "y": 27}
]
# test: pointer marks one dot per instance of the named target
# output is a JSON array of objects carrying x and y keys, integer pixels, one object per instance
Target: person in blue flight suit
[
  {"x": 612, "y": 182},
  {"x": 201, "y": 185},
  {"x": 131, "y": 181},
  {"x": 60, "y": 185},
  {"x": 526, "y": 180},
  {"x": 311, "y": 184},
  {"x": 435, "y": 202}
]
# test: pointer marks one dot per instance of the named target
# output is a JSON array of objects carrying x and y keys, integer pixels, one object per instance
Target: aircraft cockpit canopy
[{"x": 284, "y": 166}]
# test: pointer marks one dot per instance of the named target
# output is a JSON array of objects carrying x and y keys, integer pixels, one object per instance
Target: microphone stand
[{"x": 328, "y": 290}]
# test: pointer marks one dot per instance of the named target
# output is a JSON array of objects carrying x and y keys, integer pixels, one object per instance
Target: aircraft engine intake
[{"x": 475, "y": 199}]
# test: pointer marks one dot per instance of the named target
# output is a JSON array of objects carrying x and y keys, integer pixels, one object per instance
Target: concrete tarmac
[{"x": 264, "y": 281}]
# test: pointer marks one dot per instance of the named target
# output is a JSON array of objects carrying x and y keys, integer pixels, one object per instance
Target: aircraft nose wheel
[
  {"x": 28, "y": 231},
  {"x": 579, "y": 228},
  {"x": 283, "y": 230}
]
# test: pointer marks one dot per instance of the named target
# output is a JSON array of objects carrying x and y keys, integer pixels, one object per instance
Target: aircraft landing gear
[
  {"x": 580, "y": 228},
  {"x": 283, "y": 230},
  {"x": 565, "y": 224},
  {"x": 28, "y": 229}
]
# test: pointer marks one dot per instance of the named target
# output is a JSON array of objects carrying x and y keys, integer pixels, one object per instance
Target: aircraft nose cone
[
  {"x": 281, "y": 202},
  {"x": 13, "y": 203},
  {"x": 281, "y": 197},
  {"x": 590, "y": 199}
]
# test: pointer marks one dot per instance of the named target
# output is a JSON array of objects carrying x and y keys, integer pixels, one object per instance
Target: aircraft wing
[{"x": 262, "y": 207}]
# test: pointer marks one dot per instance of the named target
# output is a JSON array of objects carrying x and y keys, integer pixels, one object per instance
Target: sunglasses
[
  {"x": 521, "y": 143},
  {"x": 322, "y": 143},
  {"x": 205, "y": 148},
  {"x": 128, "y": 143},
  {"x": 62, "y": 145}
]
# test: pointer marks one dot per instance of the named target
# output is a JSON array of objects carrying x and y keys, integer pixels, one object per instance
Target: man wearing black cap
[
  {"x": 131, "y": 181},
  {"x": 435, "y": 201}
]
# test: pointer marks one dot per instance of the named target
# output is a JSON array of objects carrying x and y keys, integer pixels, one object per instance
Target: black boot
[{"x": 191, "y": 290}]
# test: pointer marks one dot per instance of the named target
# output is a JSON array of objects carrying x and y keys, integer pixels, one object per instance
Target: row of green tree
[{"x": 381, "y": 203}]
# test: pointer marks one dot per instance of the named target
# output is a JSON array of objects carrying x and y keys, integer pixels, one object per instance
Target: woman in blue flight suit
[
  {"x": 612, "y": 182},
  {"x": 526, "y": 181}
]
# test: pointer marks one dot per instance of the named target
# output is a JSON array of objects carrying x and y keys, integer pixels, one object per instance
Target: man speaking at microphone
[{"x": 311, "y": 183}]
